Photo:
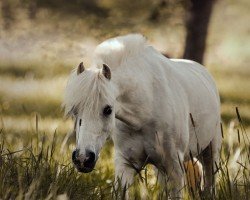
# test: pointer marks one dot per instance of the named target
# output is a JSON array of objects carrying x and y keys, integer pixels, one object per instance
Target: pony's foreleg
[
  {"x": 171, "y": 177},
  {"x": 124, "y": 176},
  {"x": 175, "y": 179}
]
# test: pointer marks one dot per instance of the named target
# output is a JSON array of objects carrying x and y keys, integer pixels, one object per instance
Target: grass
[
  {"x": 37, "y": 173},
  {"x": 41, "y": 169}
]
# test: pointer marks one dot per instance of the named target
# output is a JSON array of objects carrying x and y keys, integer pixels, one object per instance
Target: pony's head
[{"x": 89, "y": 99}]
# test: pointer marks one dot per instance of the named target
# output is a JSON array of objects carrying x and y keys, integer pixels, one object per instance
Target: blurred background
[{"x": 41, "y": 41}]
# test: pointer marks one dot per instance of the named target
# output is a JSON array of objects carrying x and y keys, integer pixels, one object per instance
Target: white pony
[{"x": 156, "y": 110}]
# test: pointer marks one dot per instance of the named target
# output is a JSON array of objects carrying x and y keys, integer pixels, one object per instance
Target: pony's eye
[
  {"x": 107, "y": 110},
  {"x": 75, "y": 112}
]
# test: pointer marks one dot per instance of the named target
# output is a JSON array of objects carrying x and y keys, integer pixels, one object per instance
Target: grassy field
[{"x": 35, "y": 148}]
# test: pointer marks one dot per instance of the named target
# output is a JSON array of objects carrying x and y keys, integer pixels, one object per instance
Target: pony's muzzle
[{"x": 84, "y": 163}]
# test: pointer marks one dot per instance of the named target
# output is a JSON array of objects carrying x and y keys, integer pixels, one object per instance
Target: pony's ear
[
  {"x": 106, "y": 71},
  {"x": 80, "y": 68}
]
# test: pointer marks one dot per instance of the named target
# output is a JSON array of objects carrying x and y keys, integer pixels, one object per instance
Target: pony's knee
[
  {"x": 124, "y": 175},
  {"x": 175, "y": 177},
  {"x": 125, "y": 179}
]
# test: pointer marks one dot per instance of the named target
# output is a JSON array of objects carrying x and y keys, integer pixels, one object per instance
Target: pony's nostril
[
  {"x": 75, "y": 155},
  {"x": 90, "y": 157}
]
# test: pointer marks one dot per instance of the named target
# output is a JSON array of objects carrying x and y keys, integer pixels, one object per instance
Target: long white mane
[
  {"x": 115, "y": 51},
  {"x": 86, "y": 89}
]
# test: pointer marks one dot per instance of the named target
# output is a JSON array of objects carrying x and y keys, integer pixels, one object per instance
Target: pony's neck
[
  {"x": 133, "y": 98},
  {"x": 137, "y": 82}
]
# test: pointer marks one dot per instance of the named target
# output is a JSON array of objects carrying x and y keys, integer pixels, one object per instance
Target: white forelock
[{"x": 85, "y": 90}]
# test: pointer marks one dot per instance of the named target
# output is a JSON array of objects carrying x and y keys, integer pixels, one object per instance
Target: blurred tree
[
  {"x": 197, "y": 23},
  {"x": 7, "y": 14},
  {"x": 155, "y": 14},
  {"x": 73, "y": 7},
  {"x": 32, "y": 9}
]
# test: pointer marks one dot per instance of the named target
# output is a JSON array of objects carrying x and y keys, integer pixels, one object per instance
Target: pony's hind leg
[
  {"x": 207, "y": 159},
  {"x": 210, "y": 159}
]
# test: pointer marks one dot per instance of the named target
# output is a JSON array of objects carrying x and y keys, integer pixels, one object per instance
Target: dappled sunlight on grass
[
  {"x": 28, "y": 95},
  {"x": 14, "y": 88},
  {"x": 22, "y": 123},
  {"x": 234, "y": 89},
  {"x": 34, "y": 69}
]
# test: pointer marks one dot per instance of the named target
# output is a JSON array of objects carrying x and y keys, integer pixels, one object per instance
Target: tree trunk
[
  {"x": 7, "y": 14},
  {"x": 32, "y": 10},
  {"x": 197, "y": 26}
]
